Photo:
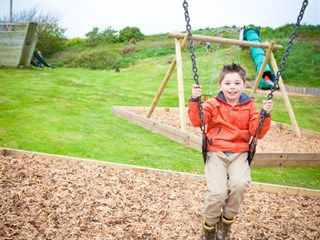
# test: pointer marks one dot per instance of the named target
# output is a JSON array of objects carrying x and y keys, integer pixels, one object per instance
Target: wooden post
[
  {"x": 264, "y": 64},
  {"x": 180, "y": 85},
  {"x": 285, "y": 97},
  {"x": 10, "y": 14},
  {"x": 165, "y": 80}
]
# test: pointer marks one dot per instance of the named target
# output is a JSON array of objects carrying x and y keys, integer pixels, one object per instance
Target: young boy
[
  {"x": 231, "y": 118},
  {"x": 208, "y": 47}
]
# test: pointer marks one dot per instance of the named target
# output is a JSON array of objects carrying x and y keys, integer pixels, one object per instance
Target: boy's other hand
[
  {"x": 196, "y": 91},
  {"x": 267, "y": 105}
]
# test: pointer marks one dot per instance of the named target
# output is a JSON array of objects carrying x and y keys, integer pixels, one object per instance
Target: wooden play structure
[
  {"x": 17, "y": 43},
  {"x": 180, "y": 43},
  {"x": 189, "y": 139}
]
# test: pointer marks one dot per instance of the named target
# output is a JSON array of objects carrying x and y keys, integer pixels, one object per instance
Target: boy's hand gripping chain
[
  {"x": 196, "y": 79},
  {"x": 254, "y": 141}
]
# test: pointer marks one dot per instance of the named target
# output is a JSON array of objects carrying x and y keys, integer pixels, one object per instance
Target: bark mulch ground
[{"x": 41, "y": 198}]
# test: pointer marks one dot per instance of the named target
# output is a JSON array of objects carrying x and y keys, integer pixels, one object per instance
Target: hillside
[{"x": 302, "y": 67}]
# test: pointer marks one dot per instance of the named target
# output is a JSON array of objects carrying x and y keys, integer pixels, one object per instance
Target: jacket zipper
[{"x": 211, "y": 138}]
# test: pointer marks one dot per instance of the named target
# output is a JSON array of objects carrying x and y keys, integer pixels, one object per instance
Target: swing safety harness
[{"x": 263, "y": 114}]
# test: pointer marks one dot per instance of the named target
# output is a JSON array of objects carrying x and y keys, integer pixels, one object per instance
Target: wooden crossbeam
[{"x": 226, "y": 41}]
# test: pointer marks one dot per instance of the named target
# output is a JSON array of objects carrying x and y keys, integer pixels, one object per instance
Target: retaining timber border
[
  {"x": 261, "y": 187},
  {"x": 193, "y": 141},
  {"x": 304, "y": 90}
]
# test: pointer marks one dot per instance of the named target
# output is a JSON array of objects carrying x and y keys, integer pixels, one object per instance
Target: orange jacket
[{"x": 229, "y": 128}]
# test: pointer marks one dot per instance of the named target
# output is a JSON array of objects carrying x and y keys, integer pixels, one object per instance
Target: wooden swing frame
[{"x": 177, "y": 62}]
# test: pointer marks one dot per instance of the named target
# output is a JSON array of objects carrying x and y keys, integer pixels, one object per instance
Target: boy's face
[{"x": 232, "y": 86}]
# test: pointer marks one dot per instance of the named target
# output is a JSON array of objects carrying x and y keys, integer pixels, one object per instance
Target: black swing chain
[
  {"x": 287, "y": 51},
  {"x": 284, "y": 58},
  {"x": 195, "y": 77},
  {"x": 253, "y": 143}
]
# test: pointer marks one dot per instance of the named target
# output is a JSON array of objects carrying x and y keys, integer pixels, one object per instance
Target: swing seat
[{"x": 206, "y": 97}]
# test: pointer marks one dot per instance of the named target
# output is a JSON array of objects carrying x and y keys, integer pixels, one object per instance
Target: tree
[
  {"x": 50, "y": 34},
  {"x": 127, "y": 33},
  {"x": 108, "y": 36},
  {"x": 93, "y": 35}
]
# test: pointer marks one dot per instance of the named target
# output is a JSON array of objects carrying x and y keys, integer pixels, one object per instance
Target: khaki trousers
[{"x": 228, "y": 179}]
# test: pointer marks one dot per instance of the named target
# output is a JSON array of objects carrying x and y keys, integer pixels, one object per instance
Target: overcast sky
[{"x": 162, "y": 16}]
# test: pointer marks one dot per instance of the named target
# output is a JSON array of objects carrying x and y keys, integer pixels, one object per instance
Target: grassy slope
[{"x": 301, "y": 69}]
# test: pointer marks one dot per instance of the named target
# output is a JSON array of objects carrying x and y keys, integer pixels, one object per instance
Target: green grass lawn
[{"x": 69, "y": 112}]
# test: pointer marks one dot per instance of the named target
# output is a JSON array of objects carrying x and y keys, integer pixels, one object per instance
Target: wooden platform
[
  {"x": 193, "y": 141},
  {"x": 17, "y": 43}
]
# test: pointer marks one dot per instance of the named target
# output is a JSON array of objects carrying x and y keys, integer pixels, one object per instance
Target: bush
[
  {"x": 75, "y": 41},
  {"x": 128, "y": 33},
  {"x": 108, "y": 35}
]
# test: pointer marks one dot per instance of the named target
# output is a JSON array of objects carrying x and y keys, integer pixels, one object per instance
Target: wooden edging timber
[
  {"x": 261, "y": 187},
  {"x": 193, "y": 141}
]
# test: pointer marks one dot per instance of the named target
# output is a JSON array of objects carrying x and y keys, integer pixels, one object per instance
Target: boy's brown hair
[{"x": 233, "y": 68}]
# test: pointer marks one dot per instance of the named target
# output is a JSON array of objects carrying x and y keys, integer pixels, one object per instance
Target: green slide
[
  {"x": 258, "y": 56},
  {"x": 41, "y": 59}
]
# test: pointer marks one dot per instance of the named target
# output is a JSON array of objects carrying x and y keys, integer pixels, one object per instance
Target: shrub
[
  {"x": 75, "y": 41},
  {"x": 127, "y": 33}
]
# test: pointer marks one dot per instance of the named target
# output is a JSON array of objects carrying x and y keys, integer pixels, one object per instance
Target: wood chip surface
[{"x": 41, "y": 198}]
